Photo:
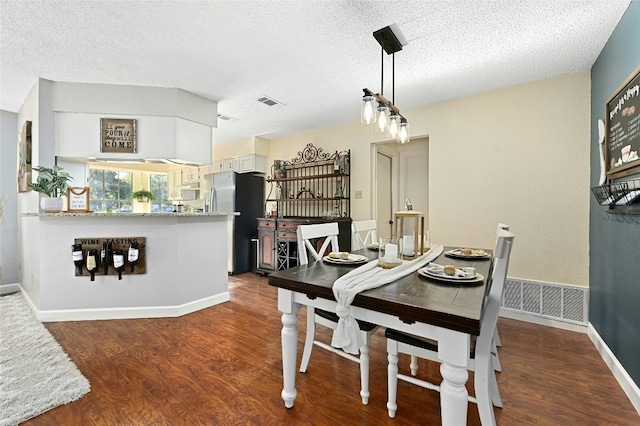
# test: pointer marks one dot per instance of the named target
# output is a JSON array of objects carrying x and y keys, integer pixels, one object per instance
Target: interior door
[{"x": 384, "y": 195}]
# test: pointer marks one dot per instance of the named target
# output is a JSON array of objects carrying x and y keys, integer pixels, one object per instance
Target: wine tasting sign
[{"x": 117, "y": 135}]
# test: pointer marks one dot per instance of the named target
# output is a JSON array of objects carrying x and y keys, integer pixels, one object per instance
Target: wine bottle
[
  {"x": 77, "y": 257},
  {"x": 133, "y": 254},
  {"x": 336, "y": 163},
  {"x": 92, "y": 263},
  {"x": 118, "y": 262},
  {"x": 104, "y": 259}
]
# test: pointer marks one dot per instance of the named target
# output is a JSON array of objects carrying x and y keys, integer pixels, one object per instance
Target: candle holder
[
  {"x": 410, "y": 229},
  {"x": 390, "y": 252}
]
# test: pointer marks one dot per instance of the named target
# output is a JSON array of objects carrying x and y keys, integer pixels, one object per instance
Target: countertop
[{"x": 93, "y": 214}]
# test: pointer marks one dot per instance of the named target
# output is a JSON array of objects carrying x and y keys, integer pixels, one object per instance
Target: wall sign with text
[
  {"x": 118, "y": 135},
  {"x": 623, "y": 129},
  {"x": 78, "y": 200}
]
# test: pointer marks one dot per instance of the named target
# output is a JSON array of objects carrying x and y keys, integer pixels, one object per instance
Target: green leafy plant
[
  {"x": 141, "y": 194},
  {"x": 51, "y": 182}
]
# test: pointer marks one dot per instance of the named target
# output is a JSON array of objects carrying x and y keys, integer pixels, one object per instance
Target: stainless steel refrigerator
[{"x": 236, "y": 192}]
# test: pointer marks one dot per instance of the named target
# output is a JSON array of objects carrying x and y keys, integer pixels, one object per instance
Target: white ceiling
[{"x": 313, "y": 56}]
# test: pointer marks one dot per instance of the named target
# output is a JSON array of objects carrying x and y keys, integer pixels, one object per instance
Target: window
[
  {"x": 159, "y": 188},
  {"x": 110, "y": 190}
]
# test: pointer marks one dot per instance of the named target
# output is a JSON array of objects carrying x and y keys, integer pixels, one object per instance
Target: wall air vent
[
  {"x": 270, "y": 102},
  {"x": 547, "y": 300}
]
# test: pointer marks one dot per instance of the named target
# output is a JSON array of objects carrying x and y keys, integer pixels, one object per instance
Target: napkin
[
  {"x": 463, "y": 272},
  {"x": 347, "y": 333}
]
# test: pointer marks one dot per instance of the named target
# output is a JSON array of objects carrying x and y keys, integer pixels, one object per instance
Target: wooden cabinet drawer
[
  {"x": 288, "y": 225},
  {"x": 266, "y": 224},
  {"x": 287, "y": 235}
]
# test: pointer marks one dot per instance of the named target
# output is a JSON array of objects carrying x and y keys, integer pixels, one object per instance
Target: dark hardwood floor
[{"x": 222, "y": 366}]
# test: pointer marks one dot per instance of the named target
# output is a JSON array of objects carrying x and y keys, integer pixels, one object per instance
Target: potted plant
[
  {"x": 51, "y": 182},
  {"x": 143, "y": 195}
]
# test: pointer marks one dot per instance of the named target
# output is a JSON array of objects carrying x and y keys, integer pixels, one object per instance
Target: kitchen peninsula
[{"x": 186, "y": 260}]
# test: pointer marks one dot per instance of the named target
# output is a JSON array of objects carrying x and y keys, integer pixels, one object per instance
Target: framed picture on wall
[
  {"x": 24, "y": 157},
  {"x": 622, "y": 129},
  {"x": 118, "y": 135}
]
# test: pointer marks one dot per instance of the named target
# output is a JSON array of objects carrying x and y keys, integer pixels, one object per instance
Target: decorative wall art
[
  {"x": 24, "y": 157},
  {"x": 118, "y": 135},
  {"x": 78, "y": 200},
  {"x": 622, "y": 129}
]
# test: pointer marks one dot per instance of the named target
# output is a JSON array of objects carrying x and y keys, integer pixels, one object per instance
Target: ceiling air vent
[
  {"x": 270, "y": 102},
  {"x": 227, "y": 118}
]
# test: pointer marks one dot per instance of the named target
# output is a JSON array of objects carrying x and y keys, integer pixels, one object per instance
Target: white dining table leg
[
  {"x": 289, "y": 335},
  {"x": 453, "y": 348}
]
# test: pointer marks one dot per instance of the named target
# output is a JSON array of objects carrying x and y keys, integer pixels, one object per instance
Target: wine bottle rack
[{"x": 117, "y": 243}]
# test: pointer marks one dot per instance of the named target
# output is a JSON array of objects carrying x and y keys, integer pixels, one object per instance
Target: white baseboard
[
  {"x": 127, "y": 313},
  {"x": 9, "y": 288},
  {"x": 508, "y": 313},
  {"x": 626, "y": 382}
]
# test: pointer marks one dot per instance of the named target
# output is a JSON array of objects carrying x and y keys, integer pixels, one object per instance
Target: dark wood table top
[{"x": 411, "y": 298}]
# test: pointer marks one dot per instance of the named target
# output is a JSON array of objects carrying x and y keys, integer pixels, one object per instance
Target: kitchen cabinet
[
  {"x": 267, "y": 244},
  {"x": 279, "y": 245},
  {"x": 216, "y": 167},
  {"x": 174, "y": 179},
  {"x": 250, "y": 163},
  {"x": 190, "y": 175},
  {"x": 227, "y": 165}
]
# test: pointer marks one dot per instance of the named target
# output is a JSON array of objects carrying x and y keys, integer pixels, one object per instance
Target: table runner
[{"x": 347, "y": 334}]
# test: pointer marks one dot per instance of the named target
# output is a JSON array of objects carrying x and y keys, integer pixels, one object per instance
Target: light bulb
[
  {"x": 367, "y": 110},
  {"x": 382, "y": 120},
  {"x": 403, "y": 131},
  {"x": 392, "y": 133}
]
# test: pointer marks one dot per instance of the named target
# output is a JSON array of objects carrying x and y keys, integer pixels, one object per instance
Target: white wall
[
  {"x": 9, "y": 241},
  {"x": 518, "y": 156},
  {"x": 170, "y": 123},
  {"x": 174, "y": 274}
]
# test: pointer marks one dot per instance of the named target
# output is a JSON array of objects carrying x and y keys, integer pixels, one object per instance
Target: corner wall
[
  {"x": 9, "y": 242},
  {"x": 615, "y": 246}
]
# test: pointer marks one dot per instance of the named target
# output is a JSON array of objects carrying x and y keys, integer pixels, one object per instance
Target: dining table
[{"x": 447, "y": 312}]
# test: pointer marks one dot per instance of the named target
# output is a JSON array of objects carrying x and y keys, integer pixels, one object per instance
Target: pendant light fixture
[{"x": 375, "y": 108}]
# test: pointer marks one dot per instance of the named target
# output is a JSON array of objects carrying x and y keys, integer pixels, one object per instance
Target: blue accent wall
[{"x": 614, "y": 267}]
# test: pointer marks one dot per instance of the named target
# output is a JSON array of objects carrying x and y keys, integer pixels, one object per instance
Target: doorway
[
  {"x": 384, "y": 194},
  {"x": 400, "y": 172}
]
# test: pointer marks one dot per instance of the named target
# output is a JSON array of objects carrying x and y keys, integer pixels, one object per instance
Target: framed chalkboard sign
[{"x": 623, "y": 129}]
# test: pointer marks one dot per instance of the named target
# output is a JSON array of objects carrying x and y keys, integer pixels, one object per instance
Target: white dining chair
[
  {"x": 363, "y": 233},
  {"x": 308, "y": 238},
  {"x": 479, "y": 359},
  {"x": 496, "y": 338}
]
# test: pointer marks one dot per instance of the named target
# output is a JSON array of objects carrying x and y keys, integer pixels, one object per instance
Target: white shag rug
[{"x": 36, "y": 374}]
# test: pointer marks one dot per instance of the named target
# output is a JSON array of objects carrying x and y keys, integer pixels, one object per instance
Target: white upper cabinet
[
  {"x": 250, "y": 163},
  {"x": 190, "y": 175}
]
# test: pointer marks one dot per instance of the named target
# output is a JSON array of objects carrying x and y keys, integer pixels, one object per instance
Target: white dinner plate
[
  {"x": 450, "y": 279},
  {"x": 458, "y": 253},
  {"x": 351, "y": 260}
]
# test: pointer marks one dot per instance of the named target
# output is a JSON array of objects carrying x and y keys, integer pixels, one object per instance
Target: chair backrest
[
  {"x": 360, "y": 228},
  {"x": 306, "y": 233},
  {"x": 493, "y": 301}
]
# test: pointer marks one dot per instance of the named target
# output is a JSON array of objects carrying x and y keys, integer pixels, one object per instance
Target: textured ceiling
[{"x": 315, "y": 57}]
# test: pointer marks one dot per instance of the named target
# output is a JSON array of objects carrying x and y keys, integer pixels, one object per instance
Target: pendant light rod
[
  {"x": 382, "y": 70},
  {"x": 393, "y": 78}
]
